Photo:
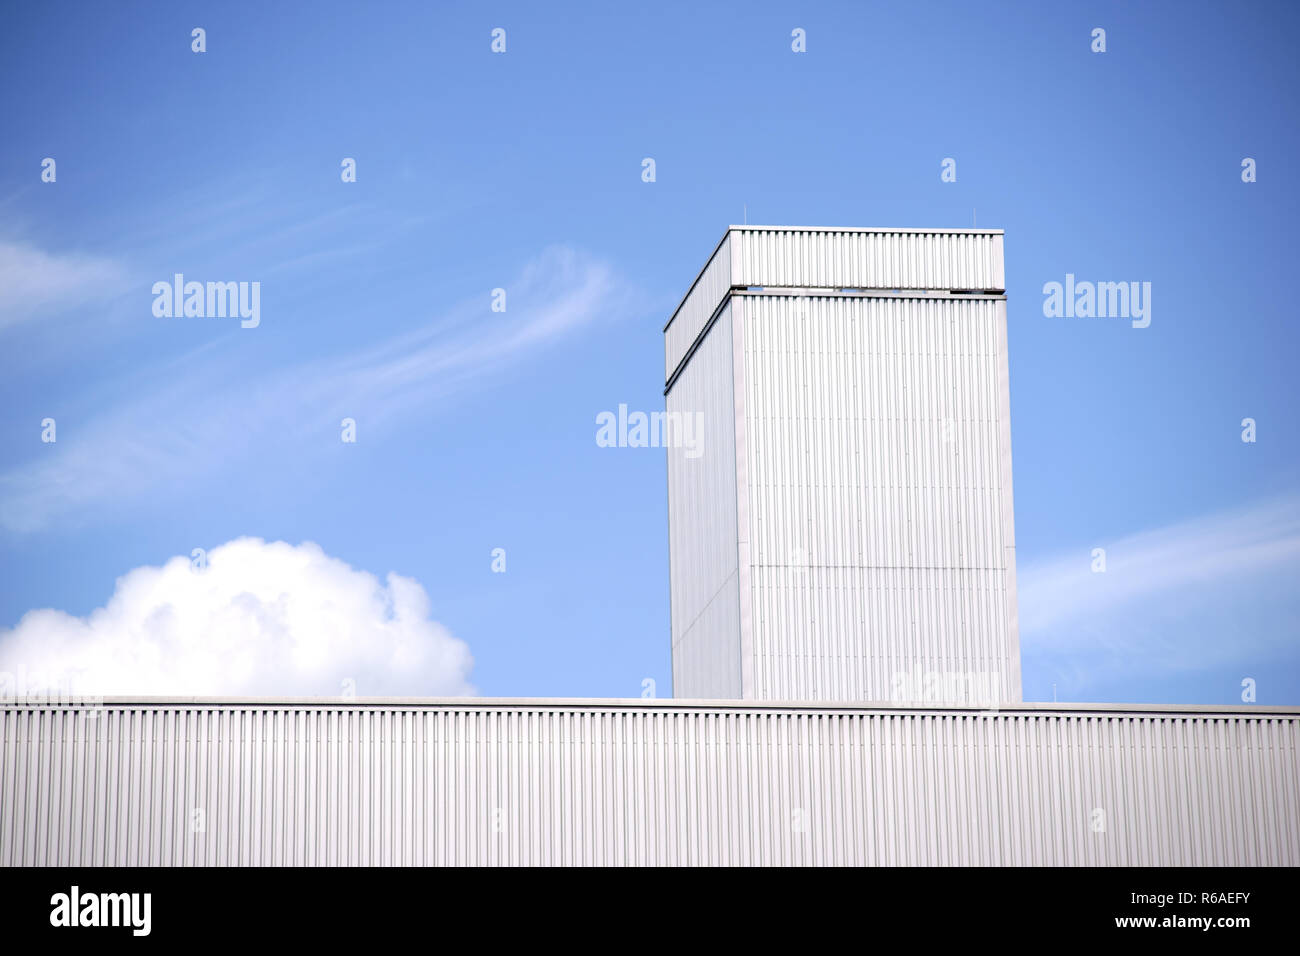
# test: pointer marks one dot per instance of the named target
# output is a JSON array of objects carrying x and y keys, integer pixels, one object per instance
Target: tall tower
[{"x": 841, "y": 528}]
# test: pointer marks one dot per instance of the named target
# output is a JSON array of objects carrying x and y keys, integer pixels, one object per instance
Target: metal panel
[
  {"x": 644, "y": 782},
  {"x": 871, "y": 633},
  {"x": 873, "y": 497},
  {"x": 920, "y": 259},
  {"x": 878, "y": 497},
  {"x": 699, "y": 305},
  {"x": 702, "y": 524},
  {"x": 706, "y": 658},
  {"x": 802, "y": 257},
  {"x": 1006, "y": 503}
]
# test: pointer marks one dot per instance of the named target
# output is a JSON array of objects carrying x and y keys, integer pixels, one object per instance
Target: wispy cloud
[
  {"x": 208, "y": 417},
  {"x": 34, "y": 281},
  {"x": 1183, "y": 596}
]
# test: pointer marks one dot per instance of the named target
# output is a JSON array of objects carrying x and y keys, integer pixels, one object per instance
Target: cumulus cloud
[{"x": 261, "y": 618}]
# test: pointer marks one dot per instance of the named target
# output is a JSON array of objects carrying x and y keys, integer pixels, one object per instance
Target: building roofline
[
  {"x": 885, "y": 229},
  {"x": 699, "y": 275},
  {"x": 637, "y": 703},
  {"x": 864, "y": 229},
  {"x": 820, "y": 292}
]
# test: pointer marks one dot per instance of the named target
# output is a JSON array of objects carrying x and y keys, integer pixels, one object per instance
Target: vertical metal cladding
[
  {"x": 657, "y": 783},
  {"x": 699, "y": 305},
  {"x": 877, "y": 519},
  {"x": 920, "y": 259},
  {"x": 873, "y": 498},
  {"x": 885, "y": 259},
  {"x": 705, "y": 598}
]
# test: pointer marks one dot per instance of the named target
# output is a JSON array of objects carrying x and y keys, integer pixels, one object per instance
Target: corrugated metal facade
[
  {"x": 941, "y": 259},
  {"x": 644, "y": 782},
  {"x": 705, "y": 597},
  {"x": 890, "y": 259},
  {"x": 703, "y": 299},
  {"x": 875, "y": 537},
  {"x": 878, "y": 529}
]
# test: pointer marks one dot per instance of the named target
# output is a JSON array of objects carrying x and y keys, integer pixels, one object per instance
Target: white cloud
[
  {"x": 555, "y": 294},
  {"x": 1191, "y": 595},
  {"x": 261, "y": 618},
  {"x": 210, "y": 417},
  {"x": 32, "y": 280}
]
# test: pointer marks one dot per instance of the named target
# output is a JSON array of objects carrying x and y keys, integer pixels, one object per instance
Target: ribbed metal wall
[
  {"x": 875, "y": 526},
  {"x": 704, "y": 590},
  {"x": 921, "y": 259},
  {"x": 630, "y": 782},
  {"x": 694, "y": 312},
  {"x": 877, "y": 517},
  {"x": 801, "y": 257}
]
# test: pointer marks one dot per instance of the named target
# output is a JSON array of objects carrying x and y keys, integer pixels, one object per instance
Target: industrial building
[
  {"x": 844, "y": 641},
  {"x": 848, "y": 531}
]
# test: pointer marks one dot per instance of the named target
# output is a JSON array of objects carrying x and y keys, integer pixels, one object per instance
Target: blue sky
[{"x": 522, "y": 171}]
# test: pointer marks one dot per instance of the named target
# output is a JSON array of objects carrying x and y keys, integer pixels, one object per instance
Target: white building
[
  {"x": 843, "y": 588},
  {"x": 847, "y": 533}
]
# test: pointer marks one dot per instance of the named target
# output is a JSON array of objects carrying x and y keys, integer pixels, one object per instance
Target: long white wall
[{"x": 644, "y": 782}]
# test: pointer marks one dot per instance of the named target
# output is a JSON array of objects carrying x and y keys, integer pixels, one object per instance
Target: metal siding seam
[
  {"x": 1207, "y": 846},
  {"x": 1145, "y": 850},
  {"x": 12, "y": 722},
  {"x": 1012, "y": 649},
  {"x": 823, "y": 681},
  {"x": 881, "y": 259},
  {"x": 699, "y": 306},
  {"x": 9, "y": 718},
  {"x": 83, "y": 804},
  {"x": 1162, "y": 805},
  {"x": 1243, "y": 775},
  {"x": 1260, "y": 817},
  {"x": 1291, "y": 791},
  {"x": 79, "y": 809},
  {"x": 225, "y": 778},
  {"x": 1290, "y": 794},
  {"x": 739, "y": 321},
  {"x": 47, "y": 812},
  {"x": 150, "y": 810},
  {"x": 1227, "y": 783},
  {"x": 67, "y": 772},
  {"x": 74, "y": 744},
  {"x": 1181, "y": 823},
  {"x": 38, "y": 788}
]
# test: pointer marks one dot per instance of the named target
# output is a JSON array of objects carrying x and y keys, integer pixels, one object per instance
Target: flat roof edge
[
  {"x": 698, "y": 276},
  {"x": 880, "y": 229},
  {"x": 830, "y": 292},
  {"x": 635, "y": 703}
]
